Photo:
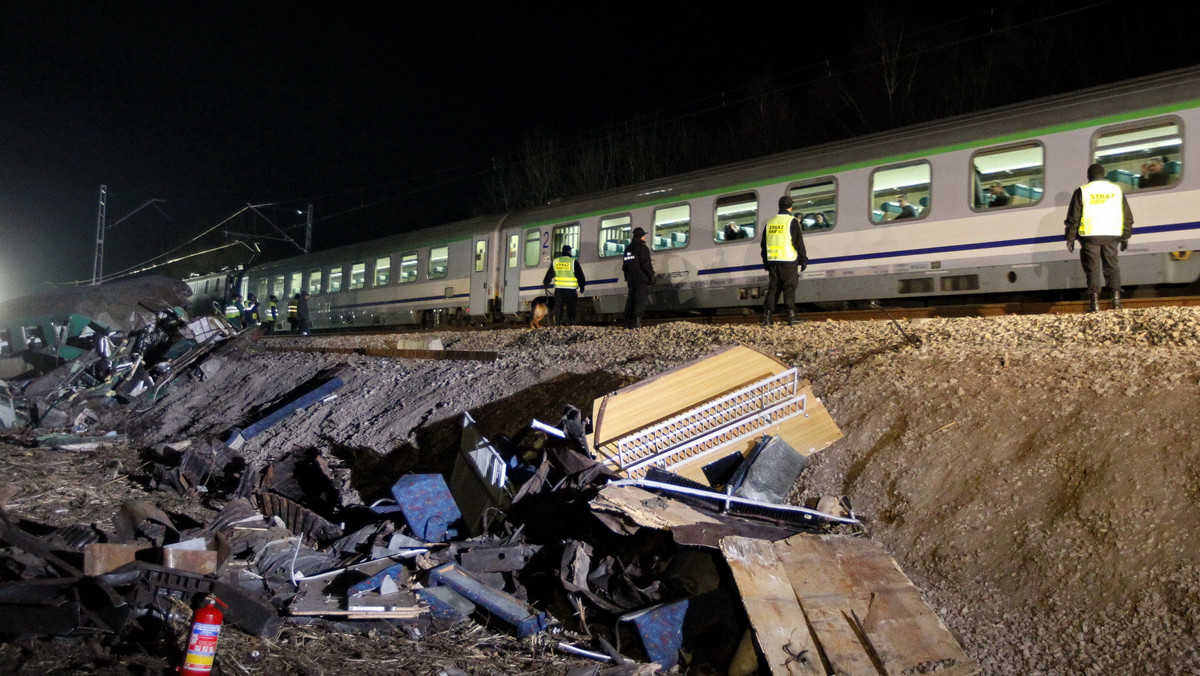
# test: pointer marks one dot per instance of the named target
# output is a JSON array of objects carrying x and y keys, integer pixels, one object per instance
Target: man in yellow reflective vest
[
  {"x": 292, "y": 310},
  {"x": 233, "y": 311},
  {"x": 1099, "y": 217},
  {"x": 272, "y": 314},
  {"x": 783, "y": 256},
  {"x": 567, "y": 277}
]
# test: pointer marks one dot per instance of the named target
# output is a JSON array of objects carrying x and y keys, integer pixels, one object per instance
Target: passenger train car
[{"x": 989, "y": 193}]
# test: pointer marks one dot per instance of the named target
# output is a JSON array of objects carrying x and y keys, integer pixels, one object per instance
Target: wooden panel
[
  {"x": 867, "y": 615},
  {"x": 771, "y": 606},
  {"x": 654, "y": 399},
  {"x": 647, "y": 509}
]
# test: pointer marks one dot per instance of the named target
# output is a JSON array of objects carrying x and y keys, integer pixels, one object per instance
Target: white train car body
[{"x": 705, "y": 228}]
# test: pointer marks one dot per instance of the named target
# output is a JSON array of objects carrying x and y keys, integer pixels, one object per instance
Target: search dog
[{"x": 538, "y": 309}]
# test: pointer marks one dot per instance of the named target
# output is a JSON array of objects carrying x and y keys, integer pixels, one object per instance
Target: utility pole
[
  {"x": 308, "y": 231},
  {"x": 98, "y": 261}
]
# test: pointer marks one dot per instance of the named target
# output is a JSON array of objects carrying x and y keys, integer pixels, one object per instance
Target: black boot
[
  {"x": 1094, "y": 302},
  {"x": 766, "y": 318},
  {"x": 1117, "y": 299},
  {"x": 791, "y": 317}
]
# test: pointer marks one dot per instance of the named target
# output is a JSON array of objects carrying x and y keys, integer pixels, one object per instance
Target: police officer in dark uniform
[
  {"x": 639, "y": 276},
  {"x": 1100, "y": 218},
  {"x": 567, "y": 276},
  {"x": 783, "y": 256}
]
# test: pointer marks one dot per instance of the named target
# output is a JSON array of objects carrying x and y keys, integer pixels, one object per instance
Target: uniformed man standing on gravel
[
  {"x": 1100, "y": 218},
  {"x": 567, "y": 276},
  {"x": 639, "y": 277},
  {"x": 783, "y": 256}
]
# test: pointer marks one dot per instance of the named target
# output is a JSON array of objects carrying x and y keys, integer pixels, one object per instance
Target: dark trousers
[
  {"x": 564, "y": 306},
  {"x": 303, "y": 324},
  {"x": 635, "y": 305},
  {"x": 1099, "y": 255},
  {"x": 782, "y": 276}
]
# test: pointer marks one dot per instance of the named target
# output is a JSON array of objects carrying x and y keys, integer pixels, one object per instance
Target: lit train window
[
  {"x": 815, "y": 204},
  {"x": 335, "y": 280},
  {"x": 408, "y": 267},
  {"x": 277, "y": 286},
  {"x": 1141, "y": 156},
  {"x": 297, "y": 284},
  {"x": 439, "y": 261},
  {"x": 358, "y": 275},
  {"x": 314, "y": 282},
  {"x": 383, "y": 271},
  {"x": 565, "y": 234},
  {"x": 735, "y": 217},
  {"x": 514, "y": 250},
  {"x": 533, "y": 248},
  {"x": 672, "y": 225},
  {"x": 900, "y": 192},
  {"x": 615, "y": 233},
  {"x": 262, "y": 289},
  {"x": 1013, "y": 176},
  {"x": 480, "y": 255}
]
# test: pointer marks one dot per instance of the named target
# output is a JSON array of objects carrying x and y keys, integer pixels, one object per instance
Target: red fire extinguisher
[{"x": 202, "y": 641}]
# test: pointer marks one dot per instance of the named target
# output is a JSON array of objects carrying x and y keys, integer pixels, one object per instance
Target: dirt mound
[{"x": 1036, "y": 477}]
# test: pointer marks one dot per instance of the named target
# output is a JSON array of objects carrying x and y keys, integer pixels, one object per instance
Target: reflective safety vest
[
  {"x": 1103, "y": 210},
  {"x": 232, "y": 311},
  {"x": 564, "y": 273},
  {"x": 253, "y": 310},
  {"x": 272, "y": 311},
  {"x": 293, "y": 310},
  {"x": 779, "y": 239}
]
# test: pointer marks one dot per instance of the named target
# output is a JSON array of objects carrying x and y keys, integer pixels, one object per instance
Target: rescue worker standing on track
[
  {"x": 1100, "y": 218},
  {"x": 272, "y": 314},
  {"x": 233, "y": 311},
  {"x": 567, "y": 275},
  {"x": 292, "y": 317},
  {"x": 783, "y": 256},
  {"x": 639, "y": 276}
]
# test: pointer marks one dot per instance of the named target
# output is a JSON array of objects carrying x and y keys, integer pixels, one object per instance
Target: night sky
[{"x": 211, "y": 106}]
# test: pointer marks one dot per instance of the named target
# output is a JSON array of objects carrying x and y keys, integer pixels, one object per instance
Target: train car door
[
  {"x": 479, "y": 276},
  {"x": 511, "y": 299}
]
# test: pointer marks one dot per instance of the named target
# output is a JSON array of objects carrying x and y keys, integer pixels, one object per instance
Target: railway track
[{"x": 882, "y": 312}]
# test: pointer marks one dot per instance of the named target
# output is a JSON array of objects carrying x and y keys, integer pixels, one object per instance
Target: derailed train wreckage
[{"x": 658, "y": 533}]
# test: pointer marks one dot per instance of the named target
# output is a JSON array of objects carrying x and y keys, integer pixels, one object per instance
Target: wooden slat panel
[
  {"x": 770, "y": 604},
  {"x": 646, "y": 402},
  {"x": 854, "y": 593}
]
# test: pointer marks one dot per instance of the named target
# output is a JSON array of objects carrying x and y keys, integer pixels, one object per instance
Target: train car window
[
  {"x": 1141, "y": 156},
  {"x": 358, "y": 275},
  {"x": 314, "y": 282},
  {"x": 615, "y": 233},
  {"x": 262, "y": 289},
  {"x": 1013, "y": 176},
  {"x": 297, "y": 284},
  {"x": 480, "y": 255},
  {"x": 277, "y": 286},
  {"x": 408, "y": 267},
  {"x": 565, "y": 235},
  {"x": 815, "y": 204},
  {"x": 383, "y": 271},
  {"x": 900, "y": 192},
  {"x": 335, "y": 280},
  {"x": 672, "y": 225},
  {"x": 735, "y": 217},
  {"x": 533, "y": 248},
  {"x": 514, "y": 250},
  {"x": 439, "y": 262}
]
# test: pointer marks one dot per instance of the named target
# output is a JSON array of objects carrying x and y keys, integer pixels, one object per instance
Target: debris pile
[
  {"x": 657, "y": 536},
  {"x": 64, "y": 370}
]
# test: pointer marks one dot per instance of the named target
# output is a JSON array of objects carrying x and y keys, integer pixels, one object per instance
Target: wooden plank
[
  {"x": 867, "y": 615},
  {"x": 647, "y": 509},
  {"x": 643, "y": 403},
  {"x": 770, "y": 604}
]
